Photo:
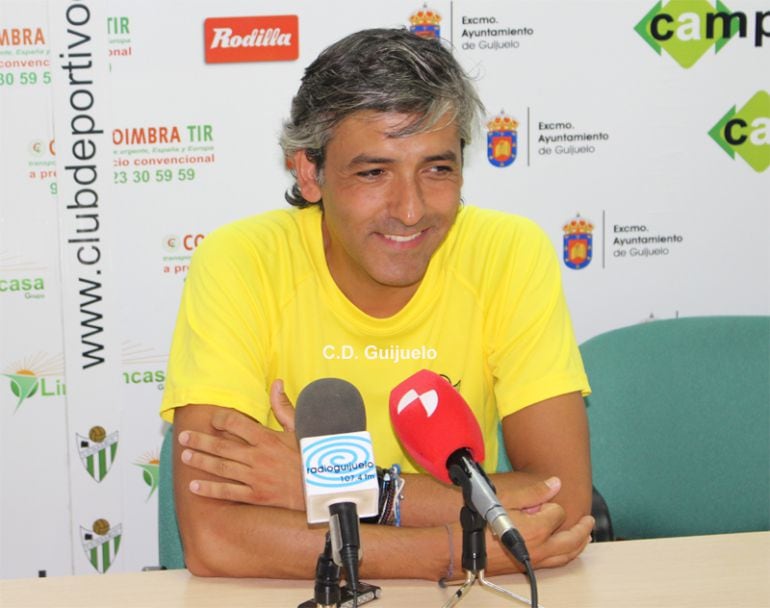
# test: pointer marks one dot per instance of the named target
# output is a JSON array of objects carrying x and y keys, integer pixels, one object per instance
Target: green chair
[
  {"x": 680, "y": 425},
  {"x": 170, "y": 553}
]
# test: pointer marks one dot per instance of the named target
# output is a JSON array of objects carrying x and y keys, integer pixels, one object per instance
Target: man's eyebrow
[
  {"x": 449, "y": 155},
  {"x": 366, "y": 159}
]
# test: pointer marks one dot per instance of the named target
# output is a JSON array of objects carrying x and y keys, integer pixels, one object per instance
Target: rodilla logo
[
  {"x": 687, "y": 29},
  {"x": 746, "y": 132},
  {"x": 237, "y": 39},
  {"x": 34, "y": 377}
]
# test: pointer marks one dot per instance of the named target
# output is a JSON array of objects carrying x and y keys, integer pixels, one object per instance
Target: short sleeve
[
  {"x": 219, "y": 343},
  {"x": 534, "y": 354}
]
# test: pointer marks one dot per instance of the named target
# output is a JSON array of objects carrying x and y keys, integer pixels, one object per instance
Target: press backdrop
[{"x": 129, "y": 129}]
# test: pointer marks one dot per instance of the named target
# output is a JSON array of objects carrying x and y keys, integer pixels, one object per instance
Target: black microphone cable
[
  {"x": 532, "y": 584},
  {"x": 514, "y": 542}
]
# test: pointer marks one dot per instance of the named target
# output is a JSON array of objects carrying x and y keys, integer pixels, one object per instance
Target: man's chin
[{"x": 400, "y": 281}]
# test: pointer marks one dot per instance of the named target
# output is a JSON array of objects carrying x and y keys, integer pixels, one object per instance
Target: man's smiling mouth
[{"x": 398, "y": 238}]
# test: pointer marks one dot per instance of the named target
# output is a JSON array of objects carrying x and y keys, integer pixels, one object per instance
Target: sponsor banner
[
  {"x": 263, "y": 38},
  {"x": 746, "y": 132},
  {"x": 85, "y": 206},
  {"x": 688, "y": 30},
  {"x": 648, "y": 123}
]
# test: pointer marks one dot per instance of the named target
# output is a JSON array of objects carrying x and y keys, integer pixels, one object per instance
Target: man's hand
[
  {"x": 539, "y": 522},
  {"x": 263, "y": 466}
]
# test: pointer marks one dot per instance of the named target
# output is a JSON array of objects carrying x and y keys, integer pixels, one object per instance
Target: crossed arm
[{"x": 238, "y": 492}]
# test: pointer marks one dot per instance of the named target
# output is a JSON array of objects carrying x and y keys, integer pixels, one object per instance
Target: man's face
[{"x": 388, "y": 204}]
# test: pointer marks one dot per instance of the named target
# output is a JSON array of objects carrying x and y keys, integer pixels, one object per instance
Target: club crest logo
[
  {"x": 101, "y": 544},
  {"x": 578, "y": 243},
  {"x": 502, "y": 140},
  {"x": 97, "y": 451},
  {"x": 425, "y": 23},
  {"x": 150, "y": 465}
]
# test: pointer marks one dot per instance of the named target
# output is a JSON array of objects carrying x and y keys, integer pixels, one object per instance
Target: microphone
[
  {"x": 438, "y": 429},
  {"x": 340, "y": 478}
]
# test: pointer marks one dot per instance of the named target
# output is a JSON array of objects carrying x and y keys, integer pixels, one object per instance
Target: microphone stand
[
  {"x": 327, "y": 592},
  {"x": 474, "y": 558}
]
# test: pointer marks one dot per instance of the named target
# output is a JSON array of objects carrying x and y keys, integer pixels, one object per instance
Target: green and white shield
[
  {"x": 101, "y": 549},
  {"x": 97, "y": 456}
]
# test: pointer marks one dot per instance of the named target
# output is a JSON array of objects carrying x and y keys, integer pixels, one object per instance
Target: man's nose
[{"x": 407, "y": 203}]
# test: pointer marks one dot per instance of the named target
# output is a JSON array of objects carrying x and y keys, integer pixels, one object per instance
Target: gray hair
[{"x": 385, "y": 70}]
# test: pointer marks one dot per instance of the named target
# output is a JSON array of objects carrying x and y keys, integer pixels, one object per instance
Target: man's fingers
[
  {"x": 529, "y": 497},
  {"x": 221, "y": 467},
  {"x": 564, "y": 546},
  {"x": 210, "y": 444},
  {"x": 222, "y": 491},
  {"x": 539, "y": 527},
  {"x": 238, "y": 425},
  {"x": 283, "y": 410}
]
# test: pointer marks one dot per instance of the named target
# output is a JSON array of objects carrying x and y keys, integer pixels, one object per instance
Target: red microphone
[
  {"x": 433, "y": 421},
  {"x": 438, "y": 429}
]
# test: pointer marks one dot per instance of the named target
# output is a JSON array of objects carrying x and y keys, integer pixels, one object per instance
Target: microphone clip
[{"x": 328, "y": 593}]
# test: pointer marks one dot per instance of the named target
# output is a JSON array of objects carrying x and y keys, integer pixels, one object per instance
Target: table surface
[{"x": 699, "y": 572}]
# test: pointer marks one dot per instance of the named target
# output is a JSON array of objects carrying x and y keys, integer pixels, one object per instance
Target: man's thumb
[{"x": 282, "y": 407}]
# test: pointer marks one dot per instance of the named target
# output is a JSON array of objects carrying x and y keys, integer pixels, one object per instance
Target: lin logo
[
  {"x": 35, "y": 374},
  {"x": 150, "y": 465}
]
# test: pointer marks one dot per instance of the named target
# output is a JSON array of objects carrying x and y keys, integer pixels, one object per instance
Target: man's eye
[
  {"x": 370, "y": 173},
  {"x": 442, "y": 169}
]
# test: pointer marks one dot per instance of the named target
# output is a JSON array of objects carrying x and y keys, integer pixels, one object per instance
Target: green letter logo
[
  {"x": 747, "y": 132},
  {"x": 687, "y": 29}
]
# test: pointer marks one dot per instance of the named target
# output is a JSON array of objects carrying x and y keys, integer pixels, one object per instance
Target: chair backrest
[
  {"x": 170, "y": 551},
  {"x": 680, "y": 425}
]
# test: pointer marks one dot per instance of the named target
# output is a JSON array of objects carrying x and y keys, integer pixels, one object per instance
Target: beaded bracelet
[{"x": 391, "y": 494}]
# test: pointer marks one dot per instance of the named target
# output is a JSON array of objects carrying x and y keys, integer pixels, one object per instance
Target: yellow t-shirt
[{"x": 259, "y": 303}]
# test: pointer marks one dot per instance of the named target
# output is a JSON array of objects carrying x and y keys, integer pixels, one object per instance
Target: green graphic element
[
  {"x": 101, "y": 545},
  {"x": 97, "y": 456},
  {"x": 746, "y": 132},
  {"x": 687, "y": 29},
  {"x": 23, "y": 386},
  {"x": 151, "y": 476}
]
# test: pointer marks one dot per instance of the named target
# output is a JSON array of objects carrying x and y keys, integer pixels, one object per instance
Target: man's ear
[{"x": 307, "y": 177}]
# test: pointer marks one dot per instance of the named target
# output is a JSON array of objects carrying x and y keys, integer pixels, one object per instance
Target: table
[{"x": 698, "y": 572}]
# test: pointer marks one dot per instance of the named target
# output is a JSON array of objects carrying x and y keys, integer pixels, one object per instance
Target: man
[{"x": 379, "y": 273}]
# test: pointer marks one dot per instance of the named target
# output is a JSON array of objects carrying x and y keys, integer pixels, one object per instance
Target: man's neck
[
  {"x": 385, "y": 302},
  {"x": 376, "y": 300}
]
